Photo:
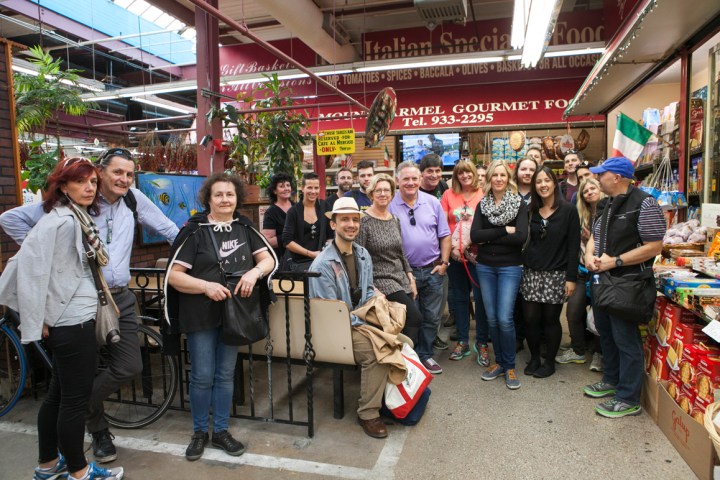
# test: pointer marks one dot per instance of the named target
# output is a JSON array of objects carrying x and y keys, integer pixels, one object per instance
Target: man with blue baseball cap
[{"x": 623, "y": 243}]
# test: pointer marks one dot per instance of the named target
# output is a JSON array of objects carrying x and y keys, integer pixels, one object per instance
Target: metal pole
[{"x": 243, "y": 30}]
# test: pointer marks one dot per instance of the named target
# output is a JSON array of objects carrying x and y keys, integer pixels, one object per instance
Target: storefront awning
[{"x": 656, "y": 32}]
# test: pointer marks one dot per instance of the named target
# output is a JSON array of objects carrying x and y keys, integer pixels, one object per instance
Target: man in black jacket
[{"x": 624, "y": 242}]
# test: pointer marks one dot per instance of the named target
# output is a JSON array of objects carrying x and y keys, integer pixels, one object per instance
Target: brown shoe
[{"x": 374, "y": 427}]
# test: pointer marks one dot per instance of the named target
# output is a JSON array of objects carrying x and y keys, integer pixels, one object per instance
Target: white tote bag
[{"x": 400, "y": 399}]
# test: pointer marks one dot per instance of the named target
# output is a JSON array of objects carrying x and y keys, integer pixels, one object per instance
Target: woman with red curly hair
[{"x": 50, "y": 283}]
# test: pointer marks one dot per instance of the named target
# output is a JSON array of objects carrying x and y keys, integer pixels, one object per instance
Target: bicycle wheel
[
  {"x": 145, "y": 398},
  {"x": 13, "y": 369}
]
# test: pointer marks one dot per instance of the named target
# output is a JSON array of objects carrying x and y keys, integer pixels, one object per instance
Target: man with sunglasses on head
[
  {"x": 116, "y": 225},
  {"x": 426, "y": 239}
]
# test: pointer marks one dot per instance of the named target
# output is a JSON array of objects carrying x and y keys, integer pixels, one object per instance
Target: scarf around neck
[
  {"x": 504, "y": 213},
  {"x": 91, "y": 233}
]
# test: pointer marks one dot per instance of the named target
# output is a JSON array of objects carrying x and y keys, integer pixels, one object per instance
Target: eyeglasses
[
  {"x": 382, "y": 191},
  {"x": 543, "y": 228},
  {"x": 313, "y": 232},
  {"x": 72, "y": 160},
  {"x": 411, "y": 213},
  {"x": 104, "y": 159}
]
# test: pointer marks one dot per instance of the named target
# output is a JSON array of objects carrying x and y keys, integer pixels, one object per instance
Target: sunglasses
[
  {"x": 543, "y": 228},
  {"x": 104, "y": 159},
  {"x": 73, "y": 160},
  {"x": 411, "y": 214}
]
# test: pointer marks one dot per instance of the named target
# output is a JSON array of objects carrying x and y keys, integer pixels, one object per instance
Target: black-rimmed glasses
[
  {"x": 411, "y": 214},
  {"x": 543, "y": 228}
]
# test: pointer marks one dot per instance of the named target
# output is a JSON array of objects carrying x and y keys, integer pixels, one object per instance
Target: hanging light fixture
[
  {"x": 535, "y": 19},
  {"x": 521, "y": 12}
]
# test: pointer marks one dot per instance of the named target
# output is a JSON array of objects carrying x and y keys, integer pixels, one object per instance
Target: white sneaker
[
  {"x": 569, "y": 356},
  {"x": 596, "y": 364}
]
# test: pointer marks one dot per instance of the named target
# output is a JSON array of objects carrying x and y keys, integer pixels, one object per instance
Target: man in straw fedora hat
[{"x": 346, "y": 273}]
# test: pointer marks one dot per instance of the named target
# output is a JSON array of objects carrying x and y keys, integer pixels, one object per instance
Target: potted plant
[
  {"x": 265, "y": 142},
  {"x": 38, "y": 100}
]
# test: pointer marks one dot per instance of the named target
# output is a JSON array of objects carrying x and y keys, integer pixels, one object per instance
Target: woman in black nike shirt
[{"x": 195, "y": 304}]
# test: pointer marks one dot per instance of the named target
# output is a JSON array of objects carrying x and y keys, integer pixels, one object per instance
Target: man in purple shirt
[{"x": 426, "y": 239}]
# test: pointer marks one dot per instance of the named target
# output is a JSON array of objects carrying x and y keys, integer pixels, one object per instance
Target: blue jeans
[
  {"x": 499, "y": 288},
  {"x": 622, "y": 355},
  {"x": 212, "y": 369},
  {"x": 430, "y": 302},
  {"x": 458, "y": 295}
]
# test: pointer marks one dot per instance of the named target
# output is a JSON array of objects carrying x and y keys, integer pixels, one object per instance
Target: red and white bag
[{"x": 400, "y": 399}]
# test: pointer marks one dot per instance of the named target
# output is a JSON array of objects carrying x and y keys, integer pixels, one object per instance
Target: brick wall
[{"x": 8, "y": 148}]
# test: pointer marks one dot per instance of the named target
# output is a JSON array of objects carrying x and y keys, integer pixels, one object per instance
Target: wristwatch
[
  {"x": 619, "y": 262},
  {"x": 443, "y": 262}
]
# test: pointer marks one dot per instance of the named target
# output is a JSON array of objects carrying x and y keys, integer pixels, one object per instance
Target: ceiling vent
[{"x": 434, "y": 12}]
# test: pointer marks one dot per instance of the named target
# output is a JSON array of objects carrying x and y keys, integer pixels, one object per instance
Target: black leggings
[
  {"x": 413, "y": 317},
  {"x": 543, "y": 318},
  {"x": 61, "y": 419}
]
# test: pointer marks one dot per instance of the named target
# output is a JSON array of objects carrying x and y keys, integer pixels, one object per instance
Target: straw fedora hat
[{"x": 345, "y": 205}]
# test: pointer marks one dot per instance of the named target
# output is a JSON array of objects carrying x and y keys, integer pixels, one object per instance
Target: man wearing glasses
[
  {"x": 426, "y": 239},
  {"x": 116, "y": 225}
]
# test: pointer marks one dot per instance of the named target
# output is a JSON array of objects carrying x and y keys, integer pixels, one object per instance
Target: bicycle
[{"x": 136, "y": 404}]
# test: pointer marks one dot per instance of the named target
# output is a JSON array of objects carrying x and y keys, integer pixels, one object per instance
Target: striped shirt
[{"x": 651, "y": 224}]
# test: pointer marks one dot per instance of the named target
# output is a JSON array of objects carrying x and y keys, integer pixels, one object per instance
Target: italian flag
[{"x": 630, "y": 138}]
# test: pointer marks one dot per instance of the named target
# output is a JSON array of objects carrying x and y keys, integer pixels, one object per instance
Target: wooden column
[
  {"x": 208, "y": 77},
  {"x": 10, "y": 191}
]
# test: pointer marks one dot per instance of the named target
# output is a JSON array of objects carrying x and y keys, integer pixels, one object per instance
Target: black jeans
[
  {"x": 124, "y": 364},
  {"x": 580, "y": 337},
  {"x": 61, "y": 419},
  {"x": 413, "y": 317},
  {"x": 543, "y": 318}
]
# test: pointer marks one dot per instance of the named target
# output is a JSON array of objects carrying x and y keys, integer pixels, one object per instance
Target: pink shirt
[{"x": 456, "y": 207}]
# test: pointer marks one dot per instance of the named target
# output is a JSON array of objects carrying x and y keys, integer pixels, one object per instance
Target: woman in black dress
[{"x": 280, "y": 192}]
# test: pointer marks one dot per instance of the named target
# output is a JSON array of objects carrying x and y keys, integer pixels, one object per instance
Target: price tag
[{"x": 713, "y": 330}]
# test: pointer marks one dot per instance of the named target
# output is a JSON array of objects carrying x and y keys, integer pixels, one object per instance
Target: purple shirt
[{"x": 422, "y": 240}]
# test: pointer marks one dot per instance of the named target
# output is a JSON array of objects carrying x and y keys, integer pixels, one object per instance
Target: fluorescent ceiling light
[
  {"x": 542, "y": 18},
  {"x": 165, "y": 104},
  {"x": 521, "y": 12},
  {"x": 374, "y": 66},
  {"x": 23, "y": 66},
  {"x": 440, "y": 61}
]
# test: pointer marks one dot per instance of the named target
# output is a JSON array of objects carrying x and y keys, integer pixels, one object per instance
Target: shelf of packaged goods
[
  {"x": 644, "y": 169},
  {"x": 694, "y": 152}
]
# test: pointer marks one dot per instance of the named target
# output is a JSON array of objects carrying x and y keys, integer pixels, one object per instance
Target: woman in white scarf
[{"x": 500, "y": 227}]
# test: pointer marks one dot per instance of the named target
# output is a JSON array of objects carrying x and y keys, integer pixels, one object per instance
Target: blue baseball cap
[{"x": 619, "y": 165}]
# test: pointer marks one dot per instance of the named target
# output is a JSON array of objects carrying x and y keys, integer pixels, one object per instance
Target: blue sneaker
[
  {"x": 59, "y": 471},
  {"x": 493, "y": 372},
  {"x": 98, "y": 473}
]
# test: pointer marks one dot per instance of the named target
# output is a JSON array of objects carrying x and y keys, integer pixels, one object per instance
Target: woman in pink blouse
[{"x": 459, "y": 204}]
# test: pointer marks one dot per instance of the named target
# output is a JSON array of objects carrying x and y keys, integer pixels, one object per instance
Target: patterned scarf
[
  {"x": 501, "y": 215},
  {"x": 91, "y": 233}
]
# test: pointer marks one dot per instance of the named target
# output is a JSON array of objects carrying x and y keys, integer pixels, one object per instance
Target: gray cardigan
[{"x": 42, "y": 277}]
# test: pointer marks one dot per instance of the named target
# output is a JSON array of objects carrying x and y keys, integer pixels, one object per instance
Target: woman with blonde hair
[
  {"x": 500, "y": 227},
  {"x": 380, "y": 235},
  {"x": 459, "y": 204},
  {"x": 589, "y": 196}
]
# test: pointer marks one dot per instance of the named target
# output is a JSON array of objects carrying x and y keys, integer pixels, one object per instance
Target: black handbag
[
  {"x": 632, "y": 299},
  {"x": 243, "y": 321}
]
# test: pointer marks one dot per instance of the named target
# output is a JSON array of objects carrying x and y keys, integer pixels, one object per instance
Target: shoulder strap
[
  {"x": 90, "y": 254},
  {"x": 131, "y": 203},
  {"x": 217, "y": 254}
]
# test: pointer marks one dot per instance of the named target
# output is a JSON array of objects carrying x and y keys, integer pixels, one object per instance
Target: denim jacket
[{"x": 333, "y": 282}]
